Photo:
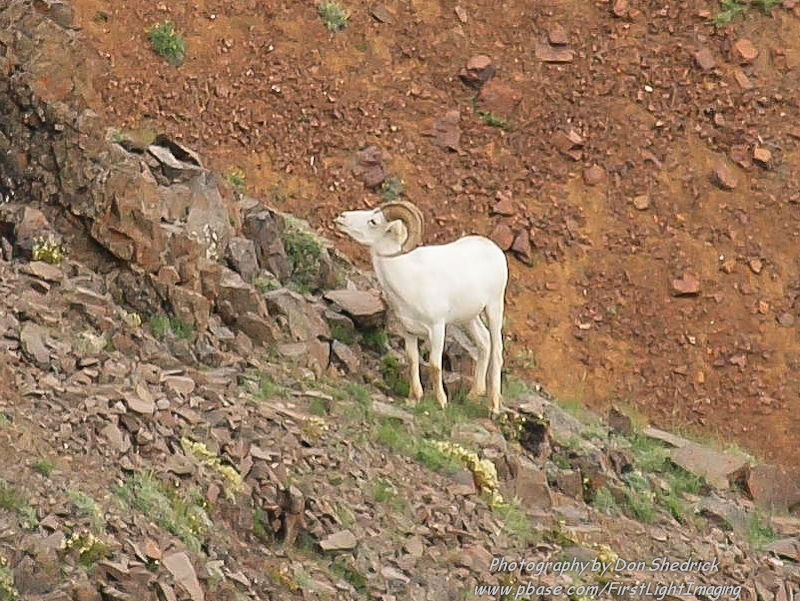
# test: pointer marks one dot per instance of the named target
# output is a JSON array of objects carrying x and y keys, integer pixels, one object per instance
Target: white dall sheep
[{"x": 431, "y": 286}]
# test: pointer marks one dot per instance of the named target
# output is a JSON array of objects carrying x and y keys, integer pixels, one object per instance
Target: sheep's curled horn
[{"x": 411, "y": 217}]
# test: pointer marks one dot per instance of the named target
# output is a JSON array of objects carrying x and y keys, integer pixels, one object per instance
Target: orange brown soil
[{"x": 267, "y": 89}]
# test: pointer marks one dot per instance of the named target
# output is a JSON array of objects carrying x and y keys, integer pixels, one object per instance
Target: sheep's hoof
[{"x": 476, "y": 393}]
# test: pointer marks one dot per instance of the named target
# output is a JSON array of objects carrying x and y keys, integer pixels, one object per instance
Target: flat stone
[
  {"x": 180, "y": 566},
  {"x": 714, "y": 466},
  {"x": 686, "y": 285},
  {"x": 762, "y": 156},
  {"x": 594, "y": 175},
  {"x": 503, "y": 236},
  {"x": 554, "y": 54},
  {"x": 641, "y": 202},
  {"x": 31, "y": 338},
  {"x": 339, "y": 541},
  {"x": 745, "y": 51},
  {"x": 44, "y": 271},
  {"x": 557, "y": 35},
  {"x": 705, "y": 59},
  {"x": 724, "y": 177},
  {"x": 364, "y": 308}
]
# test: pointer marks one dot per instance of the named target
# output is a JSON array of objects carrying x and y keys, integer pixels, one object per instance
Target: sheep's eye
[{"x": 373, "y": 222}]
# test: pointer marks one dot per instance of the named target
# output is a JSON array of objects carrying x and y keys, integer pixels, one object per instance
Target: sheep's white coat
[{"x": 432, "y": 286}]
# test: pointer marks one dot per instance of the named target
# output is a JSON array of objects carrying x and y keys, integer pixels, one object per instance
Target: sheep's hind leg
[
  {"x": 494, "y": 313},
  {"x": 412, "y": 353},
  {"x": 437, "y": 348},
  {"x": 480, "y": 335}
]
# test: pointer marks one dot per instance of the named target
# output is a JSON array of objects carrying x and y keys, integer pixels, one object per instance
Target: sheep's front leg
[
  {"x": 412, "y": 353},
  {"x": 437, "y": 348}
]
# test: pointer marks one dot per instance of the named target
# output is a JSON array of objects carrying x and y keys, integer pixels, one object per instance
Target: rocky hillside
[{"x": 202, "y": 399}]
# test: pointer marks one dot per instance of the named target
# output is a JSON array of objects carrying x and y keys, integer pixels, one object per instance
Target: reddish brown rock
[
  {"x": 705, "y": 59},
  {"x": 744, "y": 51},
  {"x": 557, "y": 35},
  {"x": 499, "y": 99},
  {"x": 686, "y": 285},
  {"x": 554, "y": 54},
  {"x": 503, "y": 236},
  {"x": 594, "y": 175},
  {"x": 724, "y": 177}
]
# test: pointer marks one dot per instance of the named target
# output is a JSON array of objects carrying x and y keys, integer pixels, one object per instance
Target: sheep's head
[{"x": 391, "y": 229}]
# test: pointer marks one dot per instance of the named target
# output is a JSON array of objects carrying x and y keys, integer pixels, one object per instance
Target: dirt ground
[{"x": 266, "y": 89}]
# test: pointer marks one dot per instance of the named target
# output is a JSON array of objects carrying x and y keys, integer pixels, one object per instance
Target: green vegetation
[
  {"x": 90, "y": 549},
  {"x": 392, "y": 189},
  {"x": 162, "y": 325},
  {"x": 333, "y": 15},
  {"x": 758, "y": 531},
  {"x": 639, "y": 498},
  {"x": 730, "y": 9},
  {"x": 384, "y": 491},
  {"x": 13, "y": 500},
  {"x": 304, "y": 252},
  {"x": 48, "y": 250},
  {"x": 394, "y": 374},
  {"x": 8, "y": 591},
  {"x": 494, "y": 120},
  {"x": 182, "y": 515},
  {"x": 167, "y": 43},
  {"x": 235, "y": 177},
  {"x": 86, "y": 507},
  {"x": 342, "y": 333},
  {"x": 269, "y": 388},
  {"x": 604, "y": 501},
  {"x": 376, "y": 339},
  {"x": 43, "y": 466}
]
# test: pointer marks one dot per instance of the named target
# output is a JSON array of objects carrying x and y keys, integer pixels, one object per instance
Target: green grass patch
[
  {"x": 13, "y": 500},
  {"x": 182, "y": 515},
  {"x": 384, "y": 492},
  {"x": 394, "y": 375},
  {"x": 758, "y": 531},
  {"x": 304, "y": 252},
  {"x": 376, "y": 339},
  {"x": 162, "y": 326},
  {"x": 8, "y": 590},
  {"x": 604, "y": 501},
  {"x": 235, "y": 177},
  {"x": 342, "y": 333},
  {"x": 516, "y": 523},
  {"x": 639, "y": 498},
  {"x": 729, "y": 10},
  {"x": 269, "y": 388},
  {"x": 167, "y": 43},
  {"x": 86, "y": 506},
  {"x": 43, "y": 466},
  {"x": 392, "y": 189},
  {"x": 333, "y": 15},
  {"x": 494, "y": 120}
]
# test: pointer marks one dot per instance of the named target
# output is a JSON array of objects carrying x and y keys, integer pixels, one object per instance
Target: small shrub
[
  {"x": 166, "y": 42},
  {"x": 759, "y": 532},
  {"x": 392, "y": 189},
  {"x": 13, "y": 500},
  {"x": 393, "y": 374},
  {"x": 235, "y": 177},
  {"x": 161, "y": 326},
  {"x": 639, "y": 498},
  {"x": 342, "y": 333},
  {"x": 766, "y": 5},
  {"x": 303, "y": 251},
  {"x": 183, "y": 516},
  {"x": 376, "y": 339},
  {"x": 494, "y": 120},
  {"x": 8, "y": 591},
  {"x": 730, "y": 9},
  {"x": 604, "y": 501},
  {"x": 268, "y": 388},
  {"x": 86, "y": 507},
  {"x": 48, "y": 250},
  {"x": 333, "y": 15},
  {"x": 43, "y": 466}
]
